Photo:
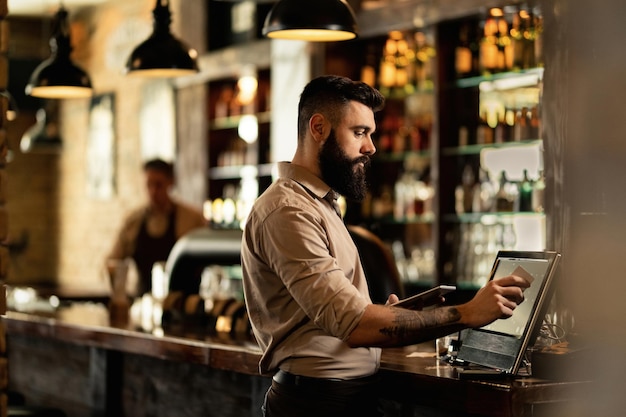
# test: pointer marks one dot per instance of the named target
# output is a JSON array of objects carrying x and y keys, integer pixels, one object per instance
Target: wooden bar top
[{"x": 411, "y": 375}]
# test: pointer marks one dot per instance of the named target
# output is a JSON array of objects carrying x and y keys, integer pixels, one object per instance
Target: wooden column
[{"x": 4, "y": 221}]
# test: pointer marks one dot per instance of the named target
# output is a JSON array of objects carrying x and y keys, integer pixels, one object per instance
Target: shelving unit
[
  {"x": 435, "y": 242},
  {"x": 489, "y": 121},
  {"x": 238, "y": 145},
  {"x": 399, "y": 207}
]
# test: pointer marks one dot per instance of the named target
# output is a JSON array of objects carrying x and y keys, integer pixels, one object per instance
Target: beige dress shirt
[{"x": 303, "y": 281}]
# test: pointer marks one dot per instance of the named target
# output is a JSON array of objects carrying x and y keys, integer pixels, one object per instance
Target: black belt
[{"x": 286, "y": 378}]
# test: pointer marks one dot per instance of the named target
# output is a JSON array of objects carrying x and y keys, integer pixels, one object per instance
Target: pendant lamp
[
  {"x": 311, "y": 20},
  {"x": 58, "y": 76},
  {"x": 43, "y": 136},
  {"x": 162, "y": 55}
]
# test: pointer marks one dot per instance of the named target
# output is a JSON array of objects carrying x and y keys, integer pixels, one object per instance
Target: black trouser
[{"x": 296, "y": 396}]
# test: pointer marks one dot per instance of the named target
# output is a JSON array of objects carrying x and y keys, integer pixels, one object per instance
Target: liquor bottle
[
  {"x": 464, "y": 191},
  {"x": 463, "y": 135},
  {"x": 520, "y": 125},
  {"x": 538, "y": 24},
  {"x": 484, "y": 193},
  {"x": 484, "y": 131},
  {"x": 488, "y": 46},
  {"x": 368, "y": 72},
  {"x": 538, "y": 194},
  {"x": 517, "y": 41},
  {"x": 506, "y": 195},
  {"x": 503, "y": 41},
  {"x": 534, "y": 124},
  {"x": 528, "y": 34},
  {"x": 463, "y": 53},
  {"x": 525, "y": 193},
  {"x": 424, "y": 55},
  {"x": 502, "y": 130}
]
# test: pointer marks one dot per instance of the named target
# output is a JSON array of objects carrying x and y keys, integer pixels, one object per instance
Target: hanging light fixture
[
  {"x": 58, "y": 76},
  {"x": 43, "y": 136},
  {"x": 11, "y": 109},
  {"x": 311, "y": 20},
  {"x": 162, "y": 55}
]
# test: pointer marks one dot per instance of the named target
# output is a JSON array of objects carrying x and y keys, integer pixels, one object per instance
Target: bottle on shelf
[
  {"x": 507, "y": 195},
  {"x": 525, "y": 193},
  {"x": 463, "y": 59},
  {"x": 424, "y": 52},
  {"x": 488, "y": 46},
  {"x": 528, "y": 35},
  {"x": 534, "y": 123},
  {"x": 223, "y": 102},
  {"x": 520, "y": 128},
  {"x": 484, "y": 193},
  {"x": 504, "y": 57},
  {"x": 502, "y": 131},
  {"x": 484, "y": 130},
  {"x": 463, "y": 135},
  {"x": 517, "y": 40},
  {"x": 538, "y": 25},
  {"x": 464, "y": 191},
  {"x": 538, "y": 193}
]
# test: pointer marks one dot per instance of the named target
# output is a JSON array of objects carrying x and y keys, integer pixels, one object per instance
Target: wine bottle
[
  {"x": 538, "y": 194},
  {"x": 525, "y": 193},
  {"x": 506, "y": 195},
  {"x": 484, "y": 131},
  {"x": 488, "y": 46},
  {"x": 463, "y": 53},
  {"x": 484, "y": 193}
]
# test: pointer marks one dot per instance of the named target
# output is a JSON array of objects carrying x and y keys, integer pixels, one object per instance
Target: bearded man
[{"x": 304, "y": 285}]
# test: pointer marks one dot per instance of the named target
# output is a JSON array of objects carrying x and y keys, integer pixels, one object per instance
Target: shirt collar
[{"x": 305, "y": 178}]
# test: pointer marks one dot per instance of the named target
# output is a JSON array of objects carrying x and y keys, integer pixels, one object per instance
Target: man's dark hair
[
  {"x": 329, "y": 94},
  {"x": 159, "y": 165}
]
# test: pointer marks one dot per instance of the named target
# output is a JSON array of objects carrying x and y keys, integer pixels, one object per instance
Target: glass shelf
[
  {"x": 475, "y": 149},
  {"x": 232, "y": 122},
  {"x": 236, "y": 171},
  {"x": 469, "y": 82},
  {"x": 489, "y": 218},
  {"x": 423, "y": 219},
  {"x": 400, "y": 156}
]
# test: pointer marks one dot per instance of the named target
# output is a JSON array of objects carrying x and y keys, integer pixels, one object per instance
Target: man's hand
[
  {"x": 496, "y": 300},
  {"x": 392, "y": 299}
]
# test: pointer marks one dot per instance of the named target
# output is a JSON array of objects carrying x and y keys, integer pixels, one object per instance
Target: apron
[{"x": 151, "y": 249}]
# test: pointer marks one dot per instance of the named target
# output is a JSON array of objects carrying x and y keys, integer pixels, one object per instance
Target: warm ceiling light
[
  {"x": 57, "y": 76},
  {"x": 311, "y": 20},
  {"x": 162, "y": 55}
]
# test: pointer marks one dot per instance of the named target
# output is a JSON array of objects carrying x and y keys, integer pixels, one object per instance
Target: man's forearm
[{"x": 391, "y": 326}]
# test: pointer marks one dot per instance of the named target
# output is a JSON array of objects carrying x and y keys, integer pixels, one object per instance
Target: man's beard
[{"x": 344, "y": 175}]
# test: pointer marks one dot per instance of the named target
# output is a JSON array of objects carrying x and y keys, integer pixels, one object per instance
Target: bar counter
[{"x": 76, "y": 361}]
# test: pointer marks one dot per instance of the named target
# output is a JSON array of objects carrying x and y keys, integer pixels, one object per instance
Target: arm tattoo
[{"x": 414, "y": 326}]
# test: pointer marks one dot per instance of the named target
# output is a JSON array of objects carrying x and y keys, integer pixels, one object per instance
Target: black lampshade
[
  {"x": 58, "y": 76},
  {"x": 162, "y": 55},
  {"x": 311, "y": 20}
]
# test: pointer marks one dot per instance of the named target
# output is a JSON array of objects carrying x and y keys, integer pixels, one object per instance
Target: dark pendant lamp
[
  {"x": 162, "y": 55},
  {"x": 58, "y": 76},
  {"x": 311, "y": 20}
]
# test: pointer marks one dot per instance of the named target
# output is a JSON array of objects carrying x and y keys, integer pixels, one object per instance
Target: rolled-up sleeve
[{"x": 296, "y": 245}]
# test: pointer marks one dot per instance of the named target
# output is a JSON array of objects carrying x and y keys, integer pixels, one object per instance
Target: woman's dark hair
[{"x": 329, "y": 94}]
